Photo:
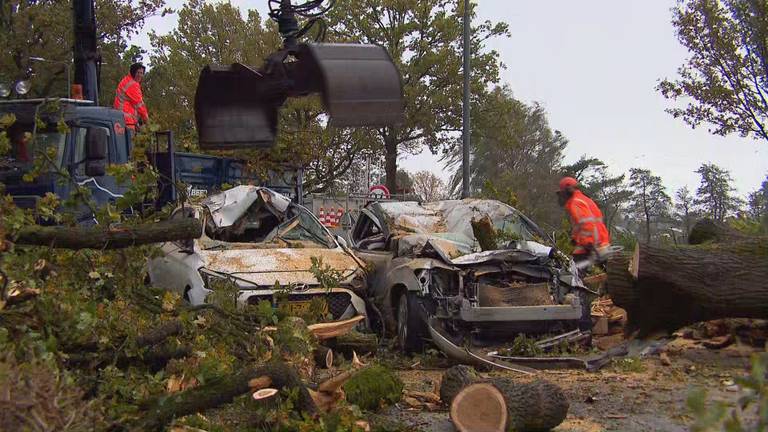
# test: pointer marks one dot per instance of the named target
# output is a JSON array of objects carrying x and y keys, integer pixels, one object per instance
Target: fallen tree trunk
[
  {"x": 502, "y": 404},
  {"x": 161, "y": 411},
  {"x": 668, "y": 288},
  {"x": 109, "y": 238}
]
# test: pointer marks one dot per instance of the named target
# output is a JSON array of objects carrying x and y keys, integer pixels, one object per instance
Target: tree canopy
[
  {"x": 424, "y": 39},
  {"x": 725, "y": 79}
]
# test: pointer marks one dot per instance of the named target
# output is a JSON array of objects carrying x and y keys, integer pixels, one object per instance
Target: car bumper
[{"x": 566, "y": 312}]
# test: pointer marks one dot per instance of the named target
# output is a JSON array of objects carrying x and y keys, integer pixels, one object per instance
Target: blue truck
[{"x": 96, "y": 137}]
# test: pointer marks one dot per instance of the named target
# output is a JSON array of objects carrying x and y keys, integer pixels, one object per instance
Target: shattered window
[
  {"x": 252, "y": 227},
  {"x": 260, "y": 224},
  {"x": 516, "y": 227},
  {"x": 303, "y": 227}
]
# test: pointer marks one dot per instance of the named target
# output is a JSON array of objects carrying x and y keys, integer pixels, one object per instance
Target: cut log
[
  {"x": 323, "y": 357},
  {"x": 264, "y": 393},
  {"x": 454, "y": 379},
  {"x": 501, "y": 404},
  {"x": 675, "y": 287},
  {"x": 362, "y": 343},
  {"x": 109, "y": 238},
  {"x": 159, "y": 412},
  {"x": 479, "y": 407}
]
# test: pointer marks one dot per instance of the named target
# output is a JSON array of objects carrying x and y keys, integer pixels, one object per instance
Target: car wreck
[
  {"x": 431, "y": 277},
  {"x": 263, "y": 244}
]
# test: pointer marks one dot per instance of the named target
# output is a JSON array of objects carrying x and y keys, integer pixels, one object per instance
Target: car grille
[{"x": 338, "y": 302}]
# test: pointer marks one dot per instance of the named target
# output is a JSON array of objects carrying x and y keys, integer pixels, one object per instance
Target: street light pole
[{"x": 465, "y": 121}]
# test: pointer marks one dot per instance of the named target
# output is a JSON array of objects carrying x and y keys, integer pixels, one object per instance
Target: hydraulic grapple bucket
[
  {"x": 231, "y": 109},
  {"x": 237, "y": 106}
]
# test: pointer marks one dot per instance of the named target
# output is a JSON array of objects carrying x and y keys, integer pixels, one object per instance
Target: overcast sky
[{"x": 594, "y": 65}]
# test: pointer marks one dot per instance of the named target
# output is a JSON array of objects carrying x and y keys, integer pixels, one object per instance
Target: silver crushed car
[
  {"x": 260, "y": 241},
  {"x": 428, "y": 270}
]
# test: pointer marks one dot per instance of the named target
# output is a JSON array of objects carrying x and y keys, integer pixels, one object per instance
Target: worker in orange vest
[
  {"x": 589, "y": 234},
  {"x": 129, "y": 100}
]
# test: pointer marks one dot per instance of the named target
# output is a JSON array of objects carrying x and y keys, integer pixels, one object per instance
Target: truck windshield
[{"x": 26, "y": 148}]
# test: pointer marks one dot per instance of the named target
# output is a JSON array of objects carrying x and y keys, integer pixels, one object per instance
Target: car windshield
[
  {"x": 303, "y": 227},
  {"x": 517, "y": 227}
]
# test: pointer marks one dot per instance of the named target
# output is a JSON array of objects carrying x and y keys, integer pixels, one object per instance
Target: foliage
[
  {"x": 726, "y": 75},
  {"x": 684, "y": 211},
  {"x": 649, "y": 201},
  {"x": 373, "y": 387},
  {"x": 424, "y": 39},
  {"x": 628, "y": 365},
  {"x": 523, "y": 346},
  {"x": 516, "y": 156},
  {"x": 714, "y": 197},
  {"x": 217, "y": 33},
  {"x": 718, "y": 415},
  {"x": 757, "y": 203},
  {"x": 326, "y": 275},
  {"x": 44, "y": 30}
]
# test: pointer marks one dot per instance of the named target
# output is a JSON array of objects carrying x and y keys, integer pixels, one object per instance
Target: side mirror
[
  {"x": 340, "y": 240},
  {"x": 96, "y": 139}
]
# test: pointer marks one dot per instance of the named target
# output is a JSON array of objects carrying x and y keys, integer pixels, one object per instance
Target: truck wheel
[{"x": 410, "y": 326}]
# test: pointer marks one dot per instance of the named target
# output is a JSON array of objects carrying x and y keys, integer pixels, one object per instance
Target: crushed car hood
[
  {"x": 287, "y": 266},
  {"x": 456, "y": 250}
]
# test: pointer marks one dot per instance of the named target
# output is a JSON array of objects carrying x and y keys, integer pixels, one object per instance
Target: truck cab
[{"x": 94, "y": 138}]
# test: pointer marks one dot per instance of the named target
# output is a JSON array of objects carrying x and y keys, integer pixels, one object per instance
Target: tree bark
[
  {"x": 668, "y": 288},
  {"x": 390, "y": 159},
  {"x": 109, "y": 238},
  {"x": 535, "y": 406},
  {"x": 361, "y": 343},
  {"x": 216, "y": 392}
]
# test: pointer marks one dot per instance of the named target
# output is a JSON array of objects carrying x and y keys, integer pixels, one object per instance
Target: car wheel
[{"x": 410, "y": 326}]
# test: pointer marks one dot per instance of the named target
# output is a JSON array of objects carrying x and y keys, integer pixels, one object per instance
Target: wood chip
[{"x": 664, "y": 357}]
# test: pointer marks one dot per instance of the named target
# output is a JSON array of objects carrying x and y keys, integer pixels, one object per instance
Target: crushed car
[
  {"x": 265, "y": 245},
  {"x": 428, "y": 271}
]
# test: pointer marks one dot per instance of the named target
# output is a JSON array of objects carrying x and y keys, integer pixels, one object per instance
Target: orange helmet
[{"x": 567, "y": 182}]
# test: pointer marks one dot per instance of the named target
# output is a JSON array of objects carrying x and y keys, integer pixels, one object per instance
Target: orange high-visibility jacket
[
  {"x": 128, "y": 98},
  {"x": 587, "y": 224}
]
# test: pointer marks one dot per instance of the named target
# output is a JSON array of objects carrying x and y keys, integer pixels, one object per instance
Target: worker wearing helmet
[
  {"x": 129, "y": 100},
  {"x": 588, "y": 231}
]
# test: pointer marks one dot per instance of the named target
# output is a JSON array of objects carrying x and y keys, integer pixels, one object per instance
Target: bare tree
[{"x": 428, "y": 186}]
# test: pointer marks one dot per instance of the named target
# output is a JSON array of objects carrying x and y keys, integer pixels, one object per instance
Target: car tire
[{"x": 411, "y": 329}]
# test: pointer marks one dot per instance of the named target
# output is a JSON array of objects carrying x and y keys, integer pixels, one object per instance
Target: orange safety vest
[
  {"x": 130, "y": 101},
  {"x": 587, "y": 224}
]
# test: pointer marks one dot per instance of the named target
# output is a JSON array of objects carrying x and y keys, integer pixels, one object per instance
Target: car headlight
[
  {"x": 214, "y": 281},
  {"x": 22, "y": 87},
  {"x": 5, "y": 90}
]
